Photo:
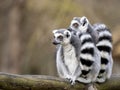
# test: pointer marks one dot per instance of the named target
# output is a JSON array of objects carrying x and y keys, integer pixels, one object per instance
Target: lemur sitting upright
[
  {"x": 103, "y": 40},
  {"x": 67, "y": 56}
]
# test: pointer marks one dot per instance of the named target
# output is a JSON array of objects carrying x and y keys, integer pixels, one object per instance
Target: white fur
[
  {"x": 84, "y": 18},
  {"x": 108, "y": 71},
  {"x": 101, "y": 80},
  {"x": 104, "y": 54},
  {"x": 104, "y": 33},
  {"x": 67, "y": 62},
  {"x": 58, "y": 34},
  {"x": 87, "y": 67},
  {"x": 70, "y": 58},
  {"x": 85, "y": 27},
  {"x": 62, "y": 71},
  {"x": 87, "y": 56},
  {"x": 101, "y": 26},
  {"x": 87, "y": 45},
  {"x": 86, "y": 36},
  {"x": 110, "y": 66},
  {"x": 104, "y": 43},
  {"x": 84, "y": 80},
  {"x": 103, "y": 66},
  {"x": 72, "y": 22}
]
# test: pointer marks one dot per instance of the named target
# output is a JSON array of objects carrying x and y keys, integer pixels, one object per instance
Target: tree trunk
[{"x": 41, "y": 82}]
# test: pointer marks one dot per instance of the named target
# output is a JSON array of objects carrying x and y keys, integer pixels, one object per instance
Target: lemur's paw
[
  {"x": 68, "y": 77},
  {"x": 100, "y": 80},
  {"x": 72, "y": 81}
]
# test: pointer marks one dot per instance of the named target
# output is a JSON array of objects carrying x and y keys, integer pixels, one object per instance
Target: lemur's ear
[
  {"x": 67, "y": 33},
  {"x": 84, "y": 20},
  {"x": 54, "y": 31}
]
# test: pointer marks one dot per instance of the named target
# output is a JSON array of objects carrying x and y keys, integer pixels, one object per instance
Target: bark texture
[{"x": 42, "y": 82}]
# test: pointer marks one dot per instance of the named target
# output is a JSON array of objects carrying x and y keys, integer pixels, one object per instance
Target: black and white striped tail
[
  {"x": 87, "y": 53},
  {"x": 104, "y": 45}
]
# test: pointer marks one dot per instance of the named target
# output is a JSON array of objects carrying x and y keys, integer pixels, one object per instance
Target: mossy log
[{"x": 42, "y": 82}]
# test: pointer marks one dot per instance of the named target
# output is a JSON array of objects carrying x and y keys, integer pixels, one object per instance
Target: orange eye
[{"x": 76, "y": 25}]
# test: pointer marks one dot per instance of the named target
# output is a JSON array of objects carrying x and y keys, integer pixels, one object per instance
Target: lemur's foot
[
  {"x": 68, "y": 77},
  {"x": 100, "y": 80},
  {"x": 72, "y": 80}
]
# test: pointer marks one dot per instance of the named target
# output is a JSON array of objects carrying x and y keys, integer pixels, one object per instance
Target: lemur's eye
[
  {"x": 60, "y": 38},
  {"x": 76, "y": 25}
]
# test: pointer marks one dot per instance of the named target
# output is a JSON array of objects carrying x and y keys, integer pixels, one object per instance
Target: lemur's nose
[{"x": 55, "y": 43}]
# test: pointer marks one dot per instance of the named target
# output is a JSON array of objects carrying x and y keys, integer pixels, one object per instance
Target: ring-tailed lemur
[
  {"x": 89, "y": 58},
  {"x": 103, "y": 40},
  {"x": 83, "y": 25},
  {"x": 67, "y": 54}
]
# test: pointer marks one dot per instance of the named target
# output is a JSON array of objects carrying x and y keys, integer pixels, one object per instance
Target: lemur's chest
[{"x": 70, "y": 58}]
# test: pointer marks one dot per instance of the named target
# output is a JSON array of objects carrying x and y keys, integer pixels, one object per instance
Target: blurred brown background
[{"x": 26, "y": 31}]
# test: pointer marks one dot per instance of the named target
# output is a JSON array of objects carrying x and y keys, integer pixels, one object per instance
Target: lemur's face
[
  {"x": 61, "y": 36},
  {"x": 79, "y": 23},
  {"x": 75, "y": 23}
]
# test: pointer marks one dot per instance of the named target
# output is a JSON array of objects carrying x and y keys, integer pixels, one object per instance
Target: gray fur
[
  {"x": 92, "y": 75},
  {"x": 94, "y": 32},
  {"x": 62, "y": 66},
  {"x": 76, "y": 43},
  {"x": 101, "y": 28},
  {"x": 90, "y": 29}
]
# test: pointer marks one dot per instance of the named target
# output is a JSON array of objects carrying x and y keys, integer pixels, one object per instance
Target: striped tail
[
  {"x": 87, "y": 53},
  {"x": 104, "y": 45}
]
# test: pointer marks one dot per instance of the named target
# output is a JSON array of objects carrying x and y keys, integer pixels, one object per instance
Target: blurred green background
[{"x": 26, "y": 31}]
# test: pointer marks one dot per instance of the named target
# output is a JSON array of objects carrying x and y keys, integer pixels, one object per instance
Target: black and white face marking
[
  {"x": 79, "y": 23},
  {"x": 75, "y": 23},
  {"x": 61, "y": 36}
]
